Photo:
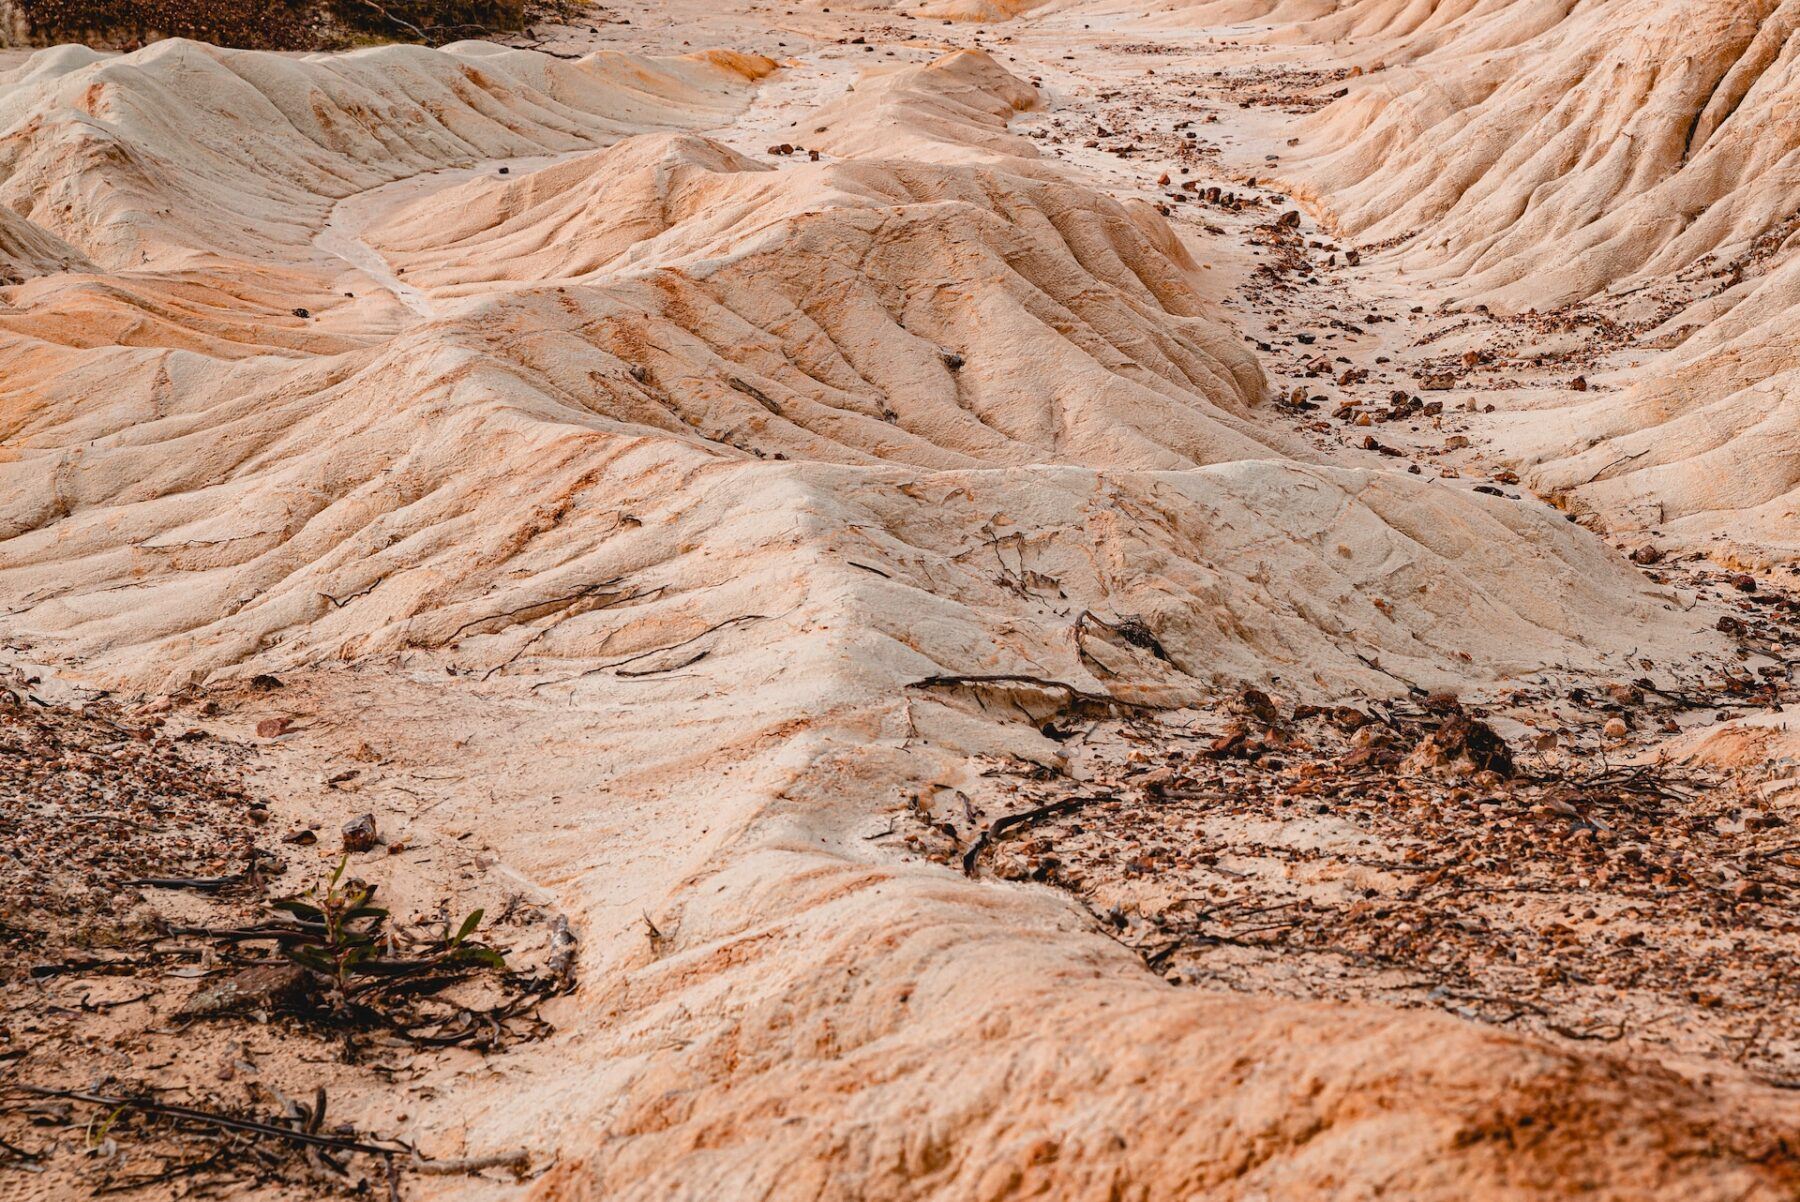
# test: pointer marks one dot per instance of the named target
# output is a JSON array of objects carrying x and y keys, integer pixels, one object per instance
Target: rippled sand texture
[{"x": 528, "y": 417}]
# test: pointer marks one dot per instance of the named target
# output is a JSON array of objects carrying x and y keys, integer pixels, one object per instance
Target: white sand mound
[
  {"x": 1702, "y": 452},
  {"x": 1625, "y": 138},
  {"x": 953, "y": 108},
  {"x": 945, "y": 10},
  {"x": 974, "y": 10},
  {"x": 242, "y": 153},
  {"x": 1533, "y": 156},
  {"x": 27, "y": 251},
  {"x": 863, "y": 311}
]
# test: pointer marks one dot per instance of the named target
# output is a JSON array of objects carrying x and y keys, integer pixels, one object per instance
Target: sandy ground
[{"x": 706, "y": 546}]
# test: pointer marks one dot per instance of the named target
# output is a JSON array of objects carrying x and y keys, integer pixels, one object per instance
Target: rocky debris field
[{"x": 1405, "y": 852}]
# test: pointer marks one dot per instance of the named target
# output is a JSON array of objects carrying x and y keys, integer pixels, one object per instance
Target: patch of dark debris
[
  {"x": 179, "y": 1019},
  {"x": 1409, "y": 853},
  {"x": 1292, "y": 90},
  {"x": 98, "y": 806}
]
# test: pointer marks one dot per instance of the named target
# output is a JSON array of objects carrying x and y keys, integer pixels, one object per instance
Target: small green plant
[
  {"x": 336, "y": 933},
  {"x": 99, "y": 1133}
]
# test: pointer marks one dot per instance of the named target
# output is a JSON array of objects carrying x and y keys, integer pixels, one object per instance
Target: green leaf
[
  {"x": 477, "y": 953},
  {"x": 468, "y": 927},
  {"x": 299, "y": 909},
  {"x": 392, "y": 968},
  {"x": 309, "y": 957},
  {"x": 96, "y": 1138}
]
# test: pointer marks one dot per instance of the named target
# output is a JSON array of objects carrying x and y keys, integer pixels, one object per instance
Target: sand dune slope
[
  {"x": 1631, "y": 138},
  {"x": 665, "y": 298},
  {"x": 1702, "y": 451},
  {"x": 1635, "y": 158},
  {"x": 26, "y": 250},
  {"x": 240, "y": 152}
]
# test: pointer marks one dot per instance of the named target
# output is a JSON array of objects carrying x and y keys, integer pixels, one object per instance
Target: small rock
[
  {"x": 258, "y": 988},
  {"x": 360, "y": 833},
  {"x": 1461, "y": 746},
  {"x": 273, "y": 728},
  {"x": 1256, "y": 704},
  {"x": 1647, "y": 554}
]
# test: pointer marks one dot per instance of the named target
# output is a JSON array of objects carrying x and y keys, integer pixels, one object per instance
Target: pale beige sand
[{"x": 635, "y": 486}]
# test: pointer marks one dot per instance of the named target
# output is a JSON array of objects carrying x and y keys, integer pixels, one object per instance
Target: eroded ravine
[{"x": 666, "y": 592}]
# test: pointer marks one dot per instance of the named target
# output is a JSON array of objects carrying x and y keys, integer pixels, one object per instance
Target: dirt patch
[
  {"x": 187, "y": 1012},
  {"x": 1406, "y": 853}
]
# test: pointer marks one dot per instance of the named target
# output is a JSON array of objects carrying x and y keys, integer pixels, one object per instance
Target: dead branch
[
  {"x": 1075, "y": 696},
  {"x": 1002, "y": 827},
  {"x": 227, "y": 1122}
]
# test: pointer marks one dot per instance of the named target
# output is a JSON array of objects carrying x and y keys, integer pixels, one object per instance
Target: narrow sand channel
[{"x": 342, "y": 237}]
